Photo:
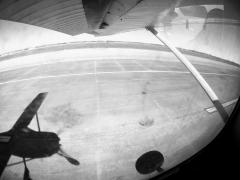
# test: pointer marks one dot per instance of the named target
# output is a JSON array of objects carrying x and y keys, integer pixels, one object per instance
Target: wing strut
[
  {"x": 38, "y": 124},
  {"x": 209, "y": 91}
]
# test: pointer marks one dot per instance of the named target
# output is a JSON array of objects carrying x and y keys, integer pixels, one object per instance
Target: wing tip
[{"x": 43, "y": 94}]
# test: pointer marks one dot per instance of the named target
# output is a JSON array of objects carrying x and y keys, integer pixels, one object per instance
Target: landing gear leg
[{"x": 26, "y": 175}]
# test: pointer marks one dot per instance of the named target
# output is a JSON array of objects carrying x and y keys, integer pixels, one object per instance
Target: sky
[{"x": 15, "y": 36}]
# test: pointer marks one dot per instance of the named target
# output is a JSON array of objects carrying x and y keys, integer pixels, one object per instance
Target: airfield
[{"x": 111, "y": 105}]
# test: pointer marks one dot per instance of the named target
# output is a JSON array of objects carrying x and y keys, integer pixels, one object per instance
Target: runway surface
[{"x": 109, "y": 111}]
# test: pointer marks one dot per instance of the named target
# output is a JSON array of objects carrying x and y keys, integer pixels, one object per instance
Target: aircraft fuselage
[{"x": 32, "y": 144}]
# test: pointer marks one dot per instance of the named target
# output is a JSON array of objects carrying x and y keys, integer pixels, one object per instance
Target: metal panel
[
  {"x": 59, "y": 15},
  {"x": 141, "y": 15}
]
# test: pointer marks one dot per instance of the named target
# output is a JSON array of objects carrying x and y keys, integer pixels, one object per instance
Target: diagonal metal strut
[
  {"x": 209, "y": 91},
  {"x": 38, "y": 124}
]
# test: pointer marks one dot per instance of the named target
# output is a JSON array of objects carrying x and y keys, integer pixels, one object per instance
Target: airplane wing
[
  {"x": 4, "y": 156},
  {"x": 29, "y": 112}
]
